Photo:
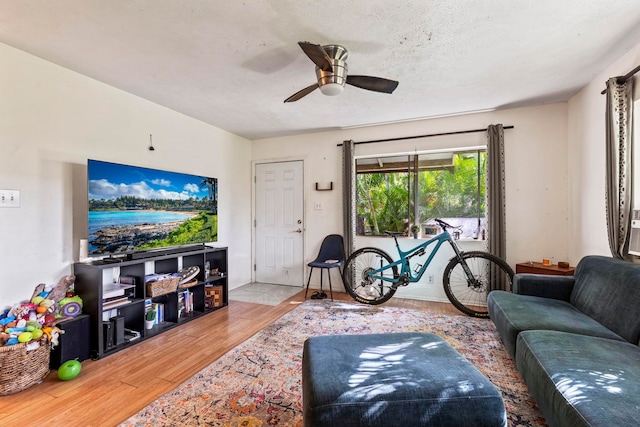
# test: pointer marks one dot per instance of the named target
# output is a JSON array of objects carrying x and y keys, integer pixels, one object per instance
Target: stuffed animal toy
[
  {"x": 27, "y": 321},
  {"x": 71, "y": 305},
  {"x": 20, "y": 311},
  {"x": 53, "y": 333}
]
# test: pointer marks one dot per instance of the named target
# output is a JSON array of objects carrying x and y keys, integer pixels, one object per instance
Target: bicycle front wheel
[
  {"x": 469, "y": 294},
  {"x": 360, "y": 285}
]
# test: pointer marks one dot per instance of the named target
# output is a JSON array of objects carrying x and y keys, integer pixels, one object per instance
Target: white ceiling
[{"x": 232, "y": 63}]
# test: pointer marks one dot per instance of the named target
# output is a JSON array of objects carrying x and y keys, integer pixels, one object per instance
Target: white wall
[
  {"x": 536, "y": 173},
  {"x": 586, "y": 143},
  {"x": 51, "y": 121}
]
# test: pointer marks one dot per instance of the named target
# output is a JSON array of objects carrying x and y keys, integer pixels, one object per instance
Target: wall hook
[{"x": 151, "y": 143}]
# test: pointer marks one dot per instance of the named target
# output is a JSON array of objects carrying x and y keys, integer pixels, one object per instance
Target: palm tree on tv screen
[{"x": 212, "y": 192}]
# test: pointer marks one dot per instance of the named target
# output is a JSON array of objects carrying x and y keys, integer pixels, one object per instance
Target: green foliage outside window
[{"x": 385, "y": 200}]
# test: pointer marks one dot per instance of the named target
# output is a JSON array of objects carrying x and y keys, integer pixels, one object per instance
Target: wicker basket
[
  {"x": 163, "y": 286},
  {"x": 20, "y": 369}
]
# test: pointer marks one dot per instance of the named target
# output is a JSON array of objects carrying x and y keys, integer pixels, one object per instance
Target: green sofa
[{"x": 575, "y": 341}]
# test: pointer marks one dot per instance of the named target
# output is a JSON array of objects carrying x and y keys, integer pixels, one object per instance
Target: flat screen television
[{"x": 134, "y": 209}]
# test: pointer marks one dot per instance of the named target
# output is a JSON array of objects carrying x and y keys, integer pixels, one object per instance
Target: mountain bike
[{"x": 371, "y": 276}]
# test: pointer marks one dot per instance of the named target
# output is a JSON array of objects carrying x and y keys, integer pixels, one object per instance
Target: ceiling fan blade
[
  {"x": 318, "y": 55},
  {"x": 304, "y": 92},
  {"x": 376, "y": 84}
]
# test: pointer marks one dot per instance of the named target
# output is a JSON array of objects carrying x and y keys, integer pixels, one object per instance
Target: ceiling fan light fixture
[
  {"x": 331, "y": 73},
  {"x": 332, "y": 82},
  {"x": 331, "y": 89}
]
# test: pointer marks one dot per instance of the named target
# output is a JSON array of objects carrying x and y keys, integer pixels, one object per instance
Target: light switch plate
[{"x": 9, "y": 198}]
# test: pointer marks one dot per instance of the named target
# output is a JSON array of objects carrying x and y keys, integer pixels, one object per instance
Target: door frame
[{"x": 253, "y": 209}]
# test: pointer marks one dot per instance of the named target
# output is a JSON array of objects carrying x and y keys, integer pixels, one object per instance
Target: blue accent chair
[{"x": 331, "y": 255}]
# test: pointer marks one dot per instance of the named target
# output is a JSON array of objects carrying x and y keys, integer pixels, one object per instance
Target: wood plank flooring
[{"x": 110, "y": 390}]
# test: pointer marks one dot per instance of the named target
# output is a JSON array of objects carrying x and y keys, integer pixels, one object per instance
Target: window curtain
[
  {"x": 348, "y": 196},
  {"x": 619, "y": 128},
  {"x": 496, "y": 234}
]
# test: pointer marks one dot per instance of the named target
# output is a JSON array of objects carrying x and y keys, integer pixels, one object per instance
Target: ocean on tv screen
[{"x": 133, "y": 208}]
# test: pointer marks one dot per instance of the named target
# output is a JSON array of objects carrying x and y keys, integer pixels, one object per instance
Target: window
[{"x": 396, "y": 192}]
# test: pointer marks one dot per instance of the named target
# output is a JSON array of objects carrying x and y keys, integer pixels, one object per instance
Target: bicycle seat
[{"x": 394, "y": 233}]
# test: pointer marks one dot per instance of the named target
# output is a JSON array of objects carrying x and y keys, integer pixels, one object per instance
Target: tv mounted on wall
[{"x": 134, "y": 209}]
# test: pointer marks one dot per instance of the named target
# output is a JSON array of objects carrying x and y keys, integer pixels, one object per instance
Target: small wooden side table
[{"x": 539, "y": 268}]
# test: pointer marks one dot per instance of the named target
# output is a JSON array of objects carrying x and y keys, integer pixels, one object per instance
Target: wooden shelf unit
[{"x": 92, "y": 279}]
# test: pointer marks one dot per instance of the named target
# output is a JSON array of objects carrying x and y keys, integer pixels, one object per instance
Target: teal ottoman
[{"x": 400, "y": 379}]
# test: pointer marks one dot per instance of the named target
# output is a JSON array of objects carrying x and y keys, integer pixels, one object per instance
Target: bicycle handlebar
[{"x": 443, "y": 224}]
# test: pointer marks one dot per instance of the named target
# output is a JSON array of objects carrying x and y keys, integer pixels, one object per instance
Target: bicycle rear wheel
[
  {"x": 362, "y": 287},
  {"x": 470, "y": 296}
]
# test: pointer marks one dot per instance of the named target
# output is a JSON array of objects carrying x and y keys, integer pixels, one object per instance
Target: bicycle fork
[{"x": 471, "y": 279}]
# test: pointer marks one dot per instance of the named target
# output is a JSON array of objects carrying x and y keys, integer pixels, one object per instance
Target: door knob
[{"x": 299, "y": 230}]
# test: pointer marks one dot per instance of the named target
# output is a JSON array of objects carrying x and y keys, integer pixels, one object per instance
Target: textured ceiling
[{"x": 232, "y": 63}]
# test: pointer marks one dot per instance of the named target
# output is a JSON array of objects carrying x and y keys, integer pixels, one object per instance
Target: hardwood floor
[{"x": 110, "y": 390}]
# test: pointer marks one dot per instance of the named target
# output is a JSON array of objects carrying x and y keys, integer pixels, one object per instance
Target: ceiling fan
[{"x": 331, "y": 72}]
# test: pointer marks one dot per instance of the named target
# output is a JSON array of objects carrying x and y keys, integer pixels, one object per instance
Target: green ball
[
  {"x": 25, "y": 337},
  {"x": 69, "y": 370}
]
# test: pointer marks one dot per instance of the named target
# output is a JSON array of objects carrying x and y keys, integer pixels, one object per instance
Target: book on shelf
[
  {"x": 185, "y": 302},
  {"x": 188, "y": 301},
  {"x": 116, "y": 290},
  {"x": 159, "y": 308},
  {"x": 114, "y": 299},
  {"x": 155, "y": 306},
  {"x": 112, "y": 291},
  {"x": 182, "y": 309},
  {"x": 115, "y": 303}
]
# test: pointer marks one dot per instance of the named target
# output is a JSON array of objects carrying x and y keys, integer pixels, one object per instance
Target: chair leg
[
  {"x": 308, "y": 281},
  {"x": 330, "y": 287}
]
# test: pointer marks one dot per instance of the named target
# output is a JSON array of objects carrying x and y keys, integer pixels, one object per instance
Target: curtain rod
[
  {"x": 424, "y": 136},
  {"x": 624, "y": 78}
]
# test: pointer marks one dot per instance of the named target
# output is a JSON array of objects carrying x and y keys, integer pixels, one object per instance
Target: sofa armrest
[{"x": 540, "y": 285}]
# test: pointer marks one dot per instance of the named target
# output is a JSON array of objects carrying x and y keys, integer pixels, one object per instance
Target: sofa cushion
[
  {"x": 579, "y": 380},
  {"x": 608, "y": 290},
  {"x": 512, "y": 314},
  {"x": 542, "y": 285}
]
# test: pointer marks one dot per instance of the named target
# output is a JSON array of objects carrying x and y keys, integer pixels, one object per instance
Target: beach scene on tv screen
[{"x": 134, "y": 208}]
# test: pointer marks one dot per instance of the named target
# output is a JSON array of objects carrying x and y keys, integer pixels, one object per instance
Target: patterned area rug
[{"x": 258, "y": 383}]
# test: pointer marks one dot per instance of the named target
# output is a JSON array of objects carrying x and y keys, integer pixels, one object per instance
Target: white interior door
[{"x": 279, "y": 223}]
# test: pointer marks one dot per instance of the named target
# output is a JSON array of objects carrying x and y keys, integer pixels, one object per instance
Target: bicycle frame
[{"x": 405, "y": 256}]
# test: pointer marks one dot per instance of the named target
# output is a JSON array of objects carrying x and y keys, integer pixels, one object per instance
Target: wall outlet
[
  {"x": 9, "y": 199},
  {"x": 317, "y": 206},
  {"x": 430, "y": 279}
]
